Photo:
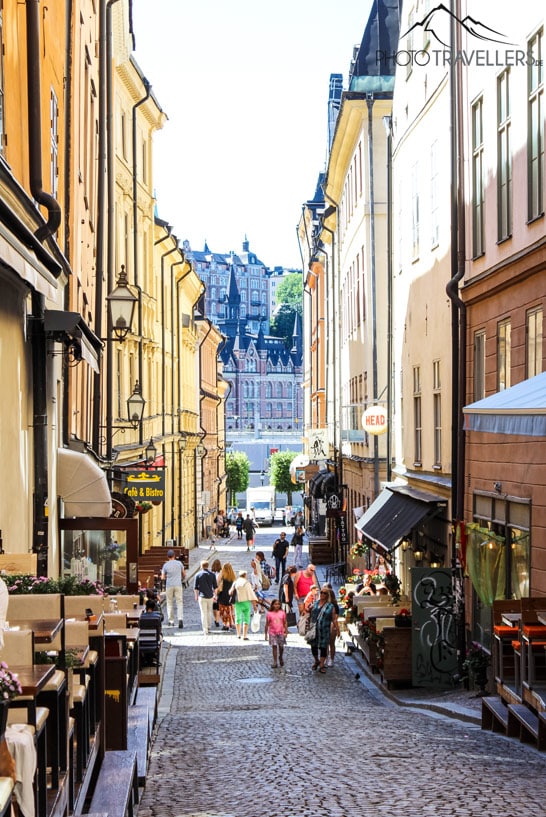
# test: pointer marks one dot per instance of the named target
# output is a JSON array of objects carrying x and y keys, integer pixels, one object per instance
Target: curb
[{"x": 458, "y": 713}]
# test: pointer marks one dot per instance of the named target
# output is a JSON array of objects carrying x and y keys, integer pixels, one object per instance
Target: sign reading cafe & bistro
[{"x": 144, "y": 486}]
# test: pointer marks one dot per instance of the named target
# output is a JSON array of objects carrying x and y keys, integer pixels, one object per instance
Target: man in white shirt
[{"x": 173, "y": 574}]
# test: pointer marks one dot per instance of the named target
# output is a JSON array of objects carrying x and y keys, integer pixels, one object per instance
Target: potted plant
[
  {"x": 9, "y": 688},
  {"x": 475, "y": 666},
  {"x": 403, "y": 618}
]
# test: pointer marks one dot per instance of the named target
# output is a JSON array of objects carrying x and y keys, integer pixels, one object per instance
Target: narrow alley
[{"x": 236, "y": 738}]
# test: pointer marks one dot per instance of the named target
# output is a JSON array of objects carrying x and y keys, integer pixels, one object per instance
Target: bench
[
  {"x": 494, "y": 715},
  {"x": 147, "y": 696},
  {"x": 138, "y": 738},
  {"x": 116, "y": 789},
  {"x": 524, "y": 724}
]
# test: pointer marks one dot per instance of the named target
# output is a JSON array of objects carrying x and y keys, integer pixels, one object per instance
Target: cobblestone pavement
[{"x": 236, "y": 738}]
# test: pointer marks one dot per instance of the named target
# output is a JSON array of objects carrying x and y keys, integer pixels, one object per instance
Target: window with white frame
[
  {"x": 434, "y": 195},
  {"x": 478, "y": 180},
  {"x": 479, "y": 365},
  {"x": 417, "y": 420},
  {"x": 437, "y": 412},
  {"x": 415, "y": 210},
  {"x": 504, "y": 157},
  {"x": 535, "y": 125},
  {"x": 504, "y": 354},
  {"x": 533, "y": 331}
]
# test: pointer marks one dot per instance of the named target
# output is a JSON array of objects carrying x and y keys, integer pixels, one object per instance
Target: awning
[
  {"x": 395, "y": 512},
  {"x": 323, "y": 484},
  {"x": 70, "y": 328},
  {"x": 521, "y": 409},
  {"x": 82, "y": 485}
]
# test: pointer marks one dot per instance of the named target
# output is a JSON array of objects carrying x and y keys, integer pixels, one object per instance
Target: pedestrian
[
  {"x": 297, "y": 544},
  {"x": 298, "y": 520},
  {"x": 225, "y": 601},
  {"x": 255, "y": 579},
  {"x": 205, "y": 589},
  {"x": 244, "y": 601},
  {"x": 239, "y": 522},
  {"x": 276, "y": 630},
  {"x": 173, "y": 574},
  {"x": 324, "y": 616},
  {"x": 311, "y": 598},
  {"x": 280, "y": 551},
  {"x": 249, "y": 527},
  {"x": 267, "y": 570},
  {"x": 216, "y": 568},
  {"x": 334, "y": 631},
  {"x": 302, "y": 584},
  {"x": 286, "y": 589}
]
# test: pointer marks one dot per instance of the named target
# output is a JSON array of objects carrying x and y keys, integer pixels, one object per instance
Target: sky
[{"x": 244, "y": 84}]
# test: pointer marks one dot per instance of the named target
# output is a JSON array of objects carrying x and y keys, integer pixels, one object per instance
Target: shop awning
[
  {"x": 521, "y": 409},
  {"x": 82, "y": 485},
  {"x": 71, "y": 329},
  {"x": 395, "y": 512},
  {"x": 323, "y": 484}
]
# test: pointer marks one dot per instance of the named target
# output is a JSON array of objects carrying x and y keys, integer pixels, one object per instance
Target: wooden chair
[
  {"x": 114, "y": 621},
  {"x": 126, "y": 603},
  {"x": 77, "y": 636},
  {"x": 18, "y": 650},
  {"x": 503, "y": 635}
]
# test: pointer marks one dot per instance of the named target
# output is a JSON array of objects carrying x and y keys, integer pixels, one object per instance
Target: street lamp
[
  {"x": 135, "y": 406},
  {"x": 200, "y": 450},
  {"x": 121, "y": 306},
  {"x": 150, "y": 453}
]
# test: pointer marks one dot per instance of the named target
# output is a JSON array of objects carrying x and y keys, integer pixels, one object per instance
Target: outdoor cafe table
[
  {"x": 45, "y": 630},
  {"x": 511, "y": 619}
]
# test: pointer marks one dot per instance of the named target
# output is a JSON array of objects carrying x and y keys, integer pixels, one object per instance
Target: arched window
[
  {"x": 289, "y": 390},
  {"x": 279, "y": 390},
  {"x": 279, "y": 409},
  {"x": 268, "y": 410},
  {"x": 268, "y": 391}
]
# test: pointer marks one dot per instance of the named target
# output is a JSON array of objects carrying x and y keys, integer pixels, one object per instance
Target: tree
[
  {"x": 237, "y": 474},
  {"x": 282, "y": 324},
  {"x": 279, "y": 472},
  {"x": 290, "y": 292}
]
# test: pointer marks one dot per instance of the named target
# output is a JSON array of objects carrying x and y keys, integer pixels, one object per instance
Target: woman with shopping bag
[{"x": 323, "y": 619}]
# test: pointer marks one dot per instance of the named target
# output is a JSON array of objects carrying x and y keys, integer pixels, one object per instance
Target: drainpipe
[
  {"x": 110, "y": 229},
  {"x": 146, "y": 96},
  {"x": 371, "y": 193},
  {"x": 35, "y": 124},
  {"x": 39, "y": 433},
  {"x": 68, "y": 183},
  {"x": 388, "y": 126},
  {"x": 101, "y": 211}
]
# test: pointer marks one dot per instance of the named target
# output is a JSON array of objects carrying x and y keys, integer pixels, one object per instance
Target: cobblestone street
[{"x": 236, "y": 738}]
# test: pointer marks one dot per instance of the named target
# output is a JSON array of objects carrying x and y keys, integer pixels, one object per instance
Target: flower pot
[{"x": 402, "y": 621}]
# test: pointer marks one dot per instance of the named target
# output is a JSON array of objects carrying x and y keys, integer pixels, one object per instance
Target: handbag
[
  {"x": 303, "y": 623},
  {"x": 291, "y": 620},
  {"x": 266, "y": 584},
  {"x": 311, "y": 633},
  {"x": 255, "y": 622}
]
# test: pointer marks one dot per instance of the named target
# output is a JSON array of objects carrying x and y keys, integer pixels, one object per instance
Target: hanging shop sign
[
  {"x": 144, "y": 486},
  {"x": 374, "y": 420}
]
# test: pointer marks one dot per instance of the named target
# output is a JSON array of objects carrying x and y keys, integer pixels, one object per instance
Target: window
[
  {"x": 417, "y": 415},
  {"x": 54, "y": 136},
  {"x": 479, "y": 365},
  {"x": 504, "y": 158},
  {"x": 535, "y": 125},
  {"x": 434, "y": 195},
  {"x": 478, "y": 181},
  {"x": 533, "y": 330},
  {"x": 503, "y": 355},
  {"x": 437, "y": 412},
  {"x": 415, "y": 210}
]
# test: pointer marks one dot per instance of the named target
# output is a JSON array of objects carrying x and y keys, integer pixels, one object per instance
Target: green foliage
[
  {"x": 282, "y": 324},
  {"x": 237, "y": 474},
  {"x": 279, "y": 472},
  {"x": 289, "y": 297},
  {"x": 290, "y": 292}
]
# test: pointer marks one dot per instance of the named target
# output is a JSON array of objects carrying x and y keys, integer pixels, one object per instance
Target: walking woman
[
  {"x": 245, "y": 601},
  {"x": 323, "y": 614},
  {"x": 297, "y": 544},
  {"x": 216, "y": 568},
  {"x": 225, "y": 603}
]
